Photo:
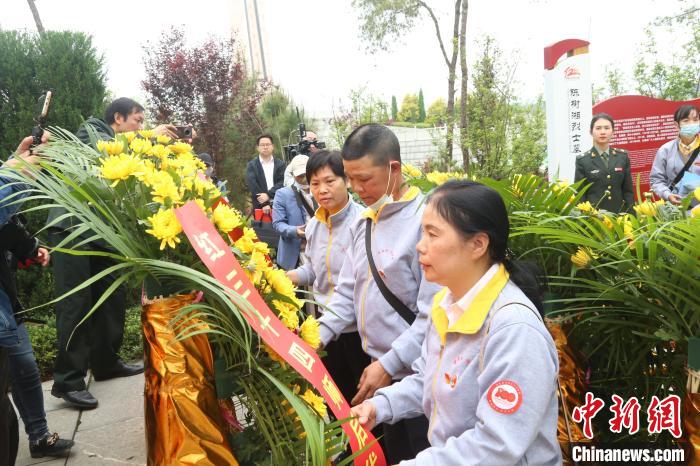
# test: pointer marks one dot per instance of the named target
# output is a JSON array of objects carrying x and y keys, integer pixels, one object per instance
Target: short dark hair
[
  {"x": 262, "y": 136},
  {"x": 684, "y": 112},
  {"x": 325, "y": 158},
  {"x": 602, "y": 116},
  {"x": 376, "y": 141},
  {"x": 123, "y": 106},
  {"x": 470, "y": 208}
]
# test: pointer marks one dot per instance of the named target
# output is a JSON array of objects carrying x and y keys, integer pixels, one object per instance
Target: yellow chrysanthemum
[
  {"x": 438, "y": 177},
  {"x": 410, "y": 170},
  {"x": 162, "y": 139},
  {"x": 110, "y": 147},
  {"x": 261, "y": 247},
  {"x": 164, "y": 188},
  {"x": 695, "y": 212},
  {"x": 315, "y": 401},
  {"x": 246, "y": 243},
  {"x": 696, "y": 193},
  {"x": 256, "y": 267},
  {"x": 166, "y": 227},
  {"x": 288, "y": 314},
  {"x": 583, "y": 257},
  {"x": 180, "y": 147},
  {"x": 310, "y": 332},
  {"x": 225, "y": 218},
  {"x": 273, "y": 355},
  {"x": 280, "y": 283},
  {"x": 647, "y": 209},
  {"x": 160, "y": 151},
  {"x": 140, "y": 145},
  {"x": 120, "y": 167},
  {"x": 201, "y": 186},
  {"x": 146, "y": 133},
  {"x": 129, "y": 135}
]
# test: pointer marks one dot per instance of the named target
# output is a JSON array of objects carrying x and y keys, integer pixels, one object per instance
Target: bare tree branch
[
  {"x": 437, "y": 29},
  {"x": 35, "y": 13}
]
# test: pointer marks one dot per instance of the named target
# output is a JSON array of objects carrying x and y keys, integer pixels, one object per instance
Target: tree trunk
[
  {"x": 35, "y": 13},
  {"x": 463, "y": 117},
  {"x": 452, "y": 69}
]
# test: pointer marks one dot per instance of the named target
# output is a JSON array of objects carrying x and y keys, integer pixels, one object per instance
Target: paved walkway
[{"x": 112, "y": 434}]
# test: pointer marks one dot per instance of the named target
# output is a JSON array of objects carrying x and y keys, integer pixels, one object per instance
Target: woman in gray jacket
[
  {"x": 487, "y": 375},
  {"x": 328, "y": 238},
  {"x": 673, "y": 156}
]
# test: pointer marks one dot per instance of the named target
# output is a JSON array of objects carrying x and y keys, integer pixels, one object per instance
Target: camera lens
[{"x": 187, "y": 132}]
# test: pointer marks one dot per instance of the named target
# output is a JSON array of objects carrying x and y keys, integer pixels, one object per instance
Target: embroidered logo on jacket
[{"x": 504, "y": 396}]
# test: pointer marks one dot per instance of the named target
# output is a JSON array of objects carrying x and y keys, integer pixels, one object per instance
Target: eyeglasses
[{"x": 264, "y": 145}]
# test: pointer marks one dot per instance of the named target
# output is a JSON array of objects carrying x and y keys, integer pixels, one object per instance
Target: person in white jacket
[{"x": 487, "y": 375}]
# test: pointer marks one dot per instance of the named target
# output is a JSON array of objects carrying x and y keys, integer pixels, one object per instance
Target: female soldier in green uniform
[{"x": 606, "y": 168}]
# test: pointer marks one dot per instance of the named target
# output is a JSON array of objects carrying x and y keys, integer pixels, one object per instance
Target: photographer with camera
[
  {"x": 308, "y": 145},
  {"x": 95, "y": 343},
  {"x": 16, "y": 353}
]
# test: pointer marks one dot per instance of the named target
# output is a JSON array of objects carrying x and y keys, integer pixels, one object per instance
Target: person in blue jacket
[
  {"x": 487, "y": 375},
  {"x": 17, "y": 359},
  {"x": 292, "y": 208}
]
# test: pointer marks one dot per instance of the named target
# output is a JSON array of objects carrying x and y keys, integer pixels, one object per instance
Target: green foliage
[
  {"x": 679, "y": 79},
  {"x": 365, "y": 107},
  {"x": 394, "y": 108},
  {"x": 383, "y": 22},
  {"x": 30, "y": 64},
  {"x": 45, "y": 345},
  {"x": 437, "y": 112},
  {"x": 132, "y": 346},
  {"x": 279, "y": 117},
  {"x": 504, "y": 137},
  {"x": 409, "y": 109},
  {"x": 421, "y": 106}
]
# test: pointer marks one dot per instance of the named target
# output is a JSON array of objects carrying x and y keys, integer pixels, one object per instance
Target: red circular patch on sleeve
[{"x": 505, "y": 396}]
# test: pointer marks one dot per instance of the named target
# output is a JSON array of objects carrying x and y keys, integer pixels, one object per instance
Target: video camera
[{"x": 303, "y": 146}]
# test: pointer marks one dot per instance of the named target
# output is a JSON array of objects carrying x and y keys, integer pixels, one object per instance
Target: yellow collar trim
[
  {"x": 322, "y": 214},
  {"x": 408, "y": 196},
  {"x": 473, "y": 317}
]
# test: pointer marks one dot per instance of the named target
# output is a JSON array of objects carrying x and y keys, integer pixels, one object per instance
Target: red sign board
[{"x": 642, "y": 125}]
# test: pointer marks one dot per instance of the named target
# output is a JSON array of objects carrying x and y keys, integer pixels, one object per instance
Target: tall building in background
[{"x": 248, "y": 21}]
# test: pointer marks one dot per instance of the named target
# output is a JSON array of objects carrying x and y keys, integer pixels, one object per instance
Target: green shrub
[{"x": 45, "y": 343}]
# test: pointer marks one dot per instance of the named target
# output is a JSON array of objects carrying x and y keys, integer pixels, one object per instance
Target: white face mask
[{"x": 386, "y": 198}]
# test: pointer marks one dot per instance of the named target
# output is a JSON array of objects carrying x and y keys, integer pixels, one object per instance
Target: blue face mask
[{"x": 689, "y": 131}]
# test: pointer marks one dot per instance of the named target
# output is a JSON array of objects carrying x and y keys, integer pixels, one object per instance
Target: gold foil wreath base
[
  {"x": 183, "y": 422},
  {"x": 691, "y": 416},
  {"x": 570, "y": 390}
]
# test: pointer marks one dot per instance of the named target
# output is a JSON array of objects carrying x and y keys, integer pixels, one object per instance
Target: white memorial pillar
[{"x": 569, "y": 102}]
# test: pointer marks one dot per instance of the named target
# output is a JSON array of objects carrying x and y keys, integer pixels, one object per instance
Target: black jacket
[
  {"x": 104, "y": 133},
  {"x": 255, "y": 179},
  {"x": 14, "y": 239}
]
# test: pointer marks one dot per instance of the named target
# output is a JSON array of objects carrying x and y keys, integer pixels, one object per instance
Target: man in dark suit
[{"x": 264, "y": 175}]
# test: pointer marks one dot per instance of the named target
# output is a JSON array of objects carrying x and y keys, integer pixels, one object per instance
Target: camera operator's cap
[
  {"x": 298, "y": 165},
  {"x": 206, "y": 158}
]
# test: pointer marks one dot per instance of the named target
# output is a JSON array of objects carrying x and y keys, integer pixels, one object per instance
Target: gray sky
[{"x": 315, "y": 52}]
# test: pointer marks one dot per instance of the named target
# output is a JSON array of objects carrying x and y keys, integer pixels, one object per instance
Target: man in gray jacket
[{"x": 372, "y": 162}]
